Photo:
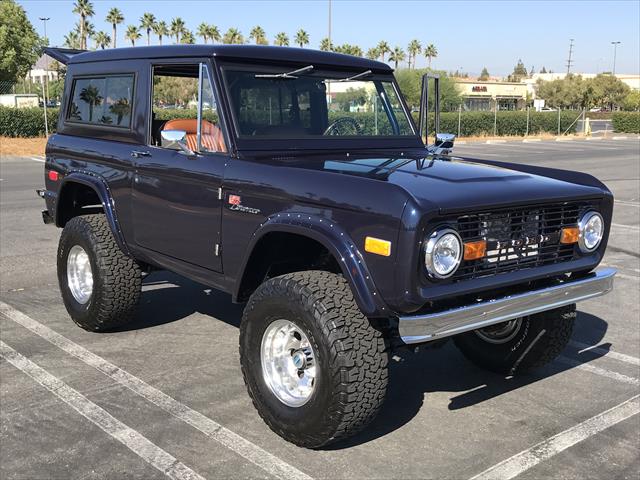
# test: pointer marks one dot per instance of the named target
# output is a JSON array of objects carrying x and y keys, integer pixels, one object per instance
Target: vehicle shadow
[{"x": 169, "y": 297}]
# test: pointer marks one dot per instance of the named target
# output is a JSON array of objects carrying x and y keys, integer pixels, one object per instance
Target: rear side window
[{"x": 102, "y": 100}]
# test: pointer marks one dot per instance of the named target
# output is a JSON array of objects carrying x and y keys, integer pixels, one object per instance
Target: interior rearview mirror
[{"x": 176, "y": 139}]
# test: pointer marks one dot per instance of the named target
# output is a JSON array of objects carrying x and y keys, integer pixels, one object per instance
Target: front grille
[{"x": 518, "y": 238}]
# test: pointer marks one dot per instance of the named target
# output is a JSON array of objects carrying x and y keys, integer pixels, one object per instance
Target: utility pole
[
  {"x": 615, "y": 47},
  {"x": 45, "y": 85},
  {"x": 329, "y": 23},
  {"x": 569, "y": 61}
]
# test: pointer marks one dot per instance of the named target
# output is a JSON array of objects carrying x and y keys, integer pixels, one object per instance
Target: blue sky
[{"x": 469, "y": 35}]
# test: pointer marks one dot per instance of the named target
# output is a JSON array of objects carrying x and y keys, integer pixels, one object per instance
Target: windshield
[{"x": 305, "y": 103}]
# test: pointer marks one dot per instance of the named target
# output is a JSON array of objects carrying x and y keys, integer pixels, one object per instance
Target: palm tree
[
  {"x": 132, "y": 34},
  {"x": 91, "y": 95},
  {"x": 187, "y": 37},
  {"x": 114, "y": 17},
  {"x": 233, "y": 35},
  {"x": 326, "y": 45},
  {"x": 203, "y": 31},
  {"x": 414, "y": 48},
  {"x": 396, "y": 56},
  {"x": 373, "y": 53},
  {"x": 161, "y": 29},
  {"x": 282, "y": 40},
  {"x": 213, "y": 33},
  {"x": 302, "y": 38},
  {"x": 84, "y": 8},
  {"x": 120, "y": 108},
  {"x": 72, "y": 39},
  {"x": 147, "y": 21},
  {"x": 89, "y": 31},
  {"x": 177, "y": 27},
  {"x": 258, "y": 36},
  {"x": 102, "y": 39},
  {"x": 383, "y": 49},
  {"x": 430, "y": 52}
]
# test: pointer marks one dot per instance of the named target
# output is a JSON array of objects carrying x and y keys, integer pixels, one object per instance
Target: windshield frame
[{"x": 314, "y": 142}]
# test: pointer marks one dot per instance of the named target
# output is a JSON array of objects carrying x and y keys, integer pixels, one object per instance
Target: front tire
[
  {"x": 519, "y": 345},
  {"x": 100, "y": 285},
  {"x": 307, "y": 324}
]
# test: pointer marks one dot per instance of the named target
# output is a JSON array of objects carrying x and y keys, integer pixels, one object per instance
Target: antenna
[{"x": 569, "y": 61}]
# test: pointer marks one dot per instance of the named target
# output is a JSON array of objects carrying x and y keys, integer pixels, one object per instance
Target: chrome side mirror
[
  {"x": 176, "y": 139},
  {"x": 445, "y": 141}
]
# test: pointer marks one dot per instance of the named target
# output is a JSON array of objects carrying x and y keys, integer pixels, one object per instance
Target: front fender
[
  {"x": 337, "y": 241},
  {"x": 100, "y": 186}
]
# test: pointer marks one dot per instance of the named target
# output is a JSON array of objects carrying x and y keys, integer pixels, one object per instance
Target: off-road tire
[
  {"x": 117, "y": 279},
  {"x": 540, "y": 340},
  {"x": 351, "y": 355}
]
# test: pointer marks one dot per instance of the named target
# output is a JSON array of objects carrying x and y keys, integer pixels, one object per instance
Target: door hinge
[
  {"x": 217, "y": 249},
  {"x": 220, "y": 193}
]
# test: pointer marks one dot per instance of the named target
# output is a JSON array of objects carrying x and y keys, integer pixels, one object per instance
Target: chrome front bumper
[{"x": 424, "y": 328}]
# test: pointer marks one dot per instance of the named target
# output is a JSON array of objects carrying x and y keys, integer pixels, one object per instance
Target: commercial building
[
  {"x": 43, "y": 68},
  {"x": 489, "y": 95}
]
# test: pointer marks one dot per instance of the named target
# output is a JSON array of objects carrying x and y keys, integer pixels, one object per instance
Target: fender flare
[
  {"x": 337, "y": 242},
  {"x": 100, "y": 186}
]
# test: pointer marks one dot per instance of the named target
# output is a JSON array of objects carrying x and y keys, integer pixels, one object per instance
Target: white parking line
[
  {"x": 251, "y": 452},
  {"x": 619, "y": 377},
  {"x": 525, "y": 460},
  {"x": 137, "y": 443},
  {"x": 37, "y": 159},
  {"x": 626, "y": 227},
  {"x": 583, "y": 347},
  {"x": 629, "y": 204}
]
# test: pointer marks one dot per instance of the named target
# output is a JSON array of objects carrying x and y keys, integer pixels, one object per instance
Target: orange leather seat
[{"x": 212, "y": 138}]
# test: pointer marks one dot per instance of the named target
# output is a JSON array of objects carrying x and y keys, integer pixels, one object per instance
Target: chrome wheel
[
  {"x": 288, "y": 363},
  {"x": 501, "y": 332},
  {"x": 79, "y": 274}
]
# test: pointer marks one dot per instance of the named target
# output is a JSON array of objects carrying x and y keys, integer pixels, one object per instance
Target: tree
[
  {"x": 148, "y": 21},
  {"x": 115, "y": 18},
  {"x": 233, "y": 36},
  {"x": 177, "y": 27},
  {"x": 91, "y": 96},
  {"x": 258, "y": 35},
  {"x": 383, "y": 49},
  {"x": 19, "y": 43},
  {"x": 632, "y": 101},
  {"x": 414, "y": 48},
  {"x": 72, "y": 39},
  {"x": 282, "y": 40},
  {"x": 410, "y": 83},
  {"x": 355, "y": 97},
  {"x": 543, "y": 70},
  {"x": 430, "y": 52},
  {"x": 396, "y": 56},
  {"x": 302, "y": 38},
  {"x": 84, "y": 8},
  {"x": 89, "y": 30},
  {"x": 203, "y": 31},
  {"x": 373, "y": 54},
  {"x": 101, "y": 40},
  {"x": 519, "y": 72},
  {"x": 161, "y": 29},
  {"x": 326, "y": 45},
  {"x": 213, "y": 33},
  {"x": 484, "y": 75},
  {"x": 187, "y": 38},
  {"x": 348, "y": 49},
  {"x": 132, "y": 34},
  {"x": 609, "y": 91}
]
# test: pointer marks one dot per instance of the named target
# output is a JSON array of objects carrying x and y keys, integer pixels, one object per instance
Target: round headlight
[
  {"x": 443, "y": 253},
  {"x": 591, "y": 227}
]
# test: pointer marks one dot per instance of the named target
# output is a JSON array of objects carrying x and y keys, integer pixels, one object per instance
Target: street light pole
[
  {"x": 615, "y": 47},
  {"x": 46, "y": 78}
]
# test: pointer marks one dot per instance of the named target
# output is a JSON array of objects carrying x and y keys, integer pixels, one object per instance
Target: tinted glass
[
  {"x": 315, "y": 105},
  {"x": 102, "y": 101}
]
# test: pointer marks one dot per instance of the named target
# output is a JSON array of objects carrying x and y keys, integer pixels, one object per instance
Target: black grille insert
[{"x": 523, "y": 237}]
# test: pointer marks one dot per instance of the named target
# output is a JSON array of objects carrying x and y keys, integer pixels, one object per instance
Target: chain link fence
[{"x": 24, "y": 112}]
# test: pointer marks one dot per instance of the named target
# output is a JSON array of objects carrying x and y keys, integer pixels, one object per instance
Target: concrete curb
[
  {"x": 564, "y": 139},
  {"x": 619, "y": 138},
  {"x": 593, "y": 138},
  {"x": 491, "y": 142},
  {"x": 531, "y": 140}
]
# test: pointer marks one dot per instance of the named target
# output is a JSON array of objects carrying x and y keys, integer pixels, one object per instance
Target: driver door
[{"x": 176, "y": 188}]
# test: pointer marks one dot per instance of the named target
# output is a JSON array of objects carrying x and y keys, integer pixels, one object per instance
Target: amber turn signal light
[
  {"x": 377, "y": 246},
  {"x": 475, "y": 250},
  {"x": 569, "y": 235}
]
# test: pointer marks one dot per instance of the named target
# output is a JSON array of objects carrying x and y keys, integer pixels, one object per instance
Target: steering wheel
[{"x": 335, "y": 127}]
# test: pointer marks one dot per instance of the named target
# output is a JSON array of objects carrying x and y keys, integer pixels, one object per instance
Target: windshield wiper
[
  {"x": 291, "y": 74},
  {"x": 366, "y": 73}
]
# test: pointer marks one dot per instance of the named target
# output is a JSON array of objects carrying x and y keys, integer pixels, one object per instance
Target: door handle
[{"x": 139, "y": 154}]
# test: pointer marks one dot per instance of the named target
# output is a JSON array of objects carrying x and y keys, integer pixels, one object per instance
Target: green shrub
[
  {"x": 626, "y": 122},
  {"x": 26, "y": 122}
]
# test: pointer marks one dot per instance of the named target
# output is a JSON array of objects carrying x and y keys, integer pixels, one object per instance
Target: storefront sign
[{"x": 479, "y": 88}]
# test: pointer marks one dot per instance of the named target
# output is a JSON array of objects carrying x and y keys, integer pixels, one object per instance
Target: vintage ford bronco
[{"x": 298, "y": 182}]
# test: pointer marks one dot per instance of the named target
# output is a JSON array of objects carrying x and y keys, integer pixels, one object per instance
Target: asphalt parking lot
[{"x": 165, "y": 395}]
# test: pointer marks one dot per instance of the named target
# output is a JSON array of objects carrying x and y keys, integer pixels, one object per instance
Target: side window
[
  {"x": 102, "y": 100},
  {"x": 183, "y": 99}
]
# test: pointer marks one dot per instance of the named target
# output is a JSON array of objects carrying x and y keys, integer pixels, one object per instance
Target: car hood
[{"x": 453, "y": 184}]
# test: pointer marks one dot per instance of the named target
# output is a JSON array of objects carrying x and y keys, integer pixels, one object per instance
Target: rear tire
[
  {"x": 349, "y": 357},
  {"x": 100, "y": 285},
  {"x": 521, "y": 345}
]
